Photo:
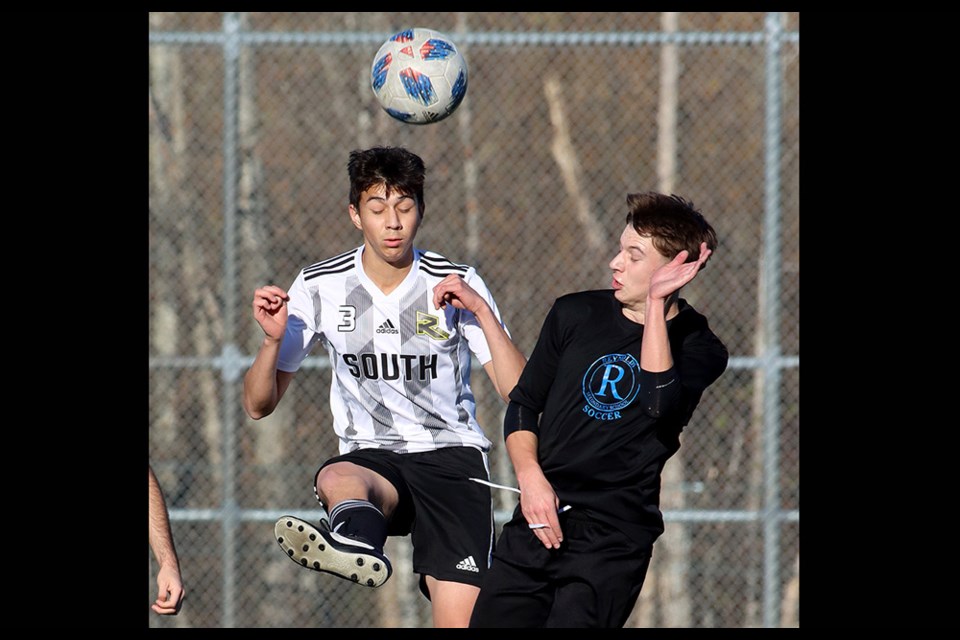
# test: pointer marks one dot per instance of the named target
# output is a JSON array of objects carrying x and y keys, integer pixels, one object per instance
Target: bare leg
[
  {"x": 452, "y": 602},
  {"x": 347, "y": 481}
]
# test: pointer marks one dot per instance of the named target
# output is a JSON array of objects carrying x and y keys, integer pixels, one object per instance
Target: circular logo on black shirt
[{"x": 610, "y": 383}]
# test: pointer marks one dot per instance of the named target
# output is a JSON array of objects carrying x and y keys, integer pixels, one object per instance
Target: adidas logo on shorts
[
  {"x": 468, "y": 564},
  {"x": 387, "y": 327}
]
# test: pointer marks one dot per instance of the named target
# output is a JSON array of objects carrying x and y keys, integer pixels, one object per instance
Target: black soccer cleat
[{"x": 328, "y": 551}]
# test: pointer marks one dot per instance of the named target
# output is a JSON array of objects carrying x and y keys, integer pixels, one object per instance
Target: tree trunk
[
  {"x": 668, "y": 575},
  {"x": 166, "y": 163},
  {"x": 753, "y": 540}
]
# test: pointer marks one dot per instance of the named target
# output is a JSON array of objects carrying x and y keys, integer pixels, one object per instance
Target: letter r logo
[
  {"x": 612, "y": 382},
  {"x": 428, "y": 325}
]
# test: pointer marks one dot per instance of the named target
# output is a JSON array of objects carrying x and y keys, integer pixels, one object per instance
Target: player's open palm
[
  {"x": 270, "y": 310},
  {"x": 676, "y": 273}
]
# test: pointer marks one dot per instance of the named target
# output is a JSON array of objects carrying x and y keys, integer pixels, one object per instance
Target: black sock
[{"x": 360, "y": 519}]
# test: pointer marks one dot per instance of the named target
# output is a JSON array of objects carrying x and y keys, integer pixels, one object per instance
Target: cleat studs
[
  {"x": 376, "y": 566},
  {"x": 300, "y": 528},
  {"x": 359, "y": 562},
  {"x": 316, "y": 565},
  {"x": 303, "y": 561},
  {"x": 355, "y": 577},
  {"x": 369, "y": 582},
  {"x": 322, "y": 547},
  {"x": 313, "y": 536},
  {"x": 306, "y": 547},
  {"x": 280, "y": 540},
  {"x": 289, "y": 523},
  {"x": 290, "y": 552}
]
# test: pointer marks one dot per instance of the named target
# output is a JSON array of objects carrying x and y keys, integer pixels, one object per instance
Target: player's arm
[
  {"x": 506, "y": 362},
  {"x": 261, "y": 390},
  {"x": 263, "y": 383},
  {"x": 538, "y": 500},
  {"x": 659, "y": 378},
  {"x": 169, "y": 584},
  {"x": 655, "y": 355}
]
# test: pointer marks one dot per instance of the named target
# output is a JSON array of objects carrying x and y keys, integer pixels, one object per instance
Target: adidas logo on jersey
[
  {"x": 387, "y": 327},
  {"x": 467, "y": 564}
]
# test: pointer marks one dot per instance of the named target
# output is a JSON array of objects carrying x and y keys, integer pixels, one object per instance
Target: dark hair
[
  {"x": 396, "y": 168},
  {"x": 672, "y": 223}
]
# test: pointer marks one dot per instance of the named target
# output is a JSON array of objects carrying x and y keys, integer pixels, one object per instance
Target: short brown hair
[
  {"x": 672, "y": 223},
  {"x": 394, "y": 167}
]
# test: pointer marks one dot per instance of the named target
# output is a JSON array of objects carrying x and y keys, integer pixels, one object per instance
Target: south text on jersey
[{"x": 390, "y": 366}]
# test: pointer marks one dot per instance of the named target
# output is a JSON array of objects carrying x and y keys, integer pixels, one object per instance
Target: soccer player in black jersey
[{"x": 614, "y": 377}]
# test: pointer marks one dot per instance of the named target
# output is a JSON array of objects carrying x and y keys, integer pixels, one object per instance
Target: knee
[{"x": 337, "y": 481}]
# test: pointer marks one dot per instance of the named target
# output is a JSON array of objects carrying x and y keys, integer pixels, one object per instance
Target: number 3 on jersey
[{"x": 348, "y": 317}]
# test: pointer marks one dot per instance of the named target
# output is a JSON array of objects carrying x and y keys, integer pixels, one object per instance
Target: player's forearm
[
  {"x": 655, "y": 355},
  {"x": 160, "y": 536},
  {"x": 161, "y": 541},
  {"x": 507, "y": 360},
  {"x": 260, "y": 395},
  {"x": 522, "y": 449}
]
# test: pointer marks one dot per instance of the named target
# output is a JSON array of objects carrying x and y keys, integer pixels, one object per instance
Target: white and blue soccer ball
[{"x": 419, "y": 76}]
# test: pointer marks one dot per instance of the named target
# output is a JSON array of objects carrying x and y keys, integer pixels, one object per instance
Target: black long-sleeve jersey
[{"x": 602, "y": 445}]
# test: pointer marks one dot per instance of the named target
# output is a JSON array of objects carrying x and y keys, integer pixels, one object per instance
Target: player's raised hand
[
  {"x": 676, "y": 273},
  {"x": 454, "y": 290},
  {"x": 270, "y": 310}
]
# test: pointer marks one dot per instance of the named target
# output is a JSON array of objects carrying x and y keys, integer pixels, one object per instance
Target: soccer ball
[{"x": 419, "y": 76}]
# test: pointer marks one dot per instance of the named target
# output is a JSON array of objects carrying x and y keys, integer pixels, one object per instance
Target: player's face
[
  {"x": 389, "y": 224},
  {"x": 632, "y": 267}
]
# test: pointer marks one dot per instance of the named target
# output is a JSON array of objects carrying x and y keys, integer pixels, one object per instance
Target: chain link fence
[{"x": 251, "y": 118}]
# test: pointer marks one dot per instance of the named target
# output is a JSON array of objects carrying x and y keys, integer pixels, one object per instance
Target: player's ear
[{"x": 355, "y": 216}]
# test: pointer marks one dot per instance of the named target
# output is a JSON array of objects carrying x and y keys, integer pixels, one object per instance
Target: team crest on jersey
[
  {"x": 429, "y": 325},
  {"x": 610, "y": 384}
]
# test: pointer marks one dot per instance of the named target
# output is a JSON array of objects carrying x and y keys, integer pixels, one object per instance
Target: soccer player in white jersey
[{"x": 400, "y": 325}]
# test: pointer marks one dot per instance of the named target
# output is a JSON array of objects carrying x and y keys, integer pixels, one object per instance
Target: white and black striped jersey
[{"x": 401, "y": 368}]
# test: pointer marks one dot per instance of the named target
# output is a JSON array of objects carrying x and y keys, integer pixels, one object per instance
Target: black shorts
[
  {"x": 449, "y": 517},
  {"x": 592, "y": 581}
]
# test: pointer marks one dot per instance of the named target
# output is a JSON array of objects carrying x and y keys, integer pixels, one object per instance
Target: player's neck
[
  {"x": 387, "y": 276},
  {"x": 638, "y": 313}
]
